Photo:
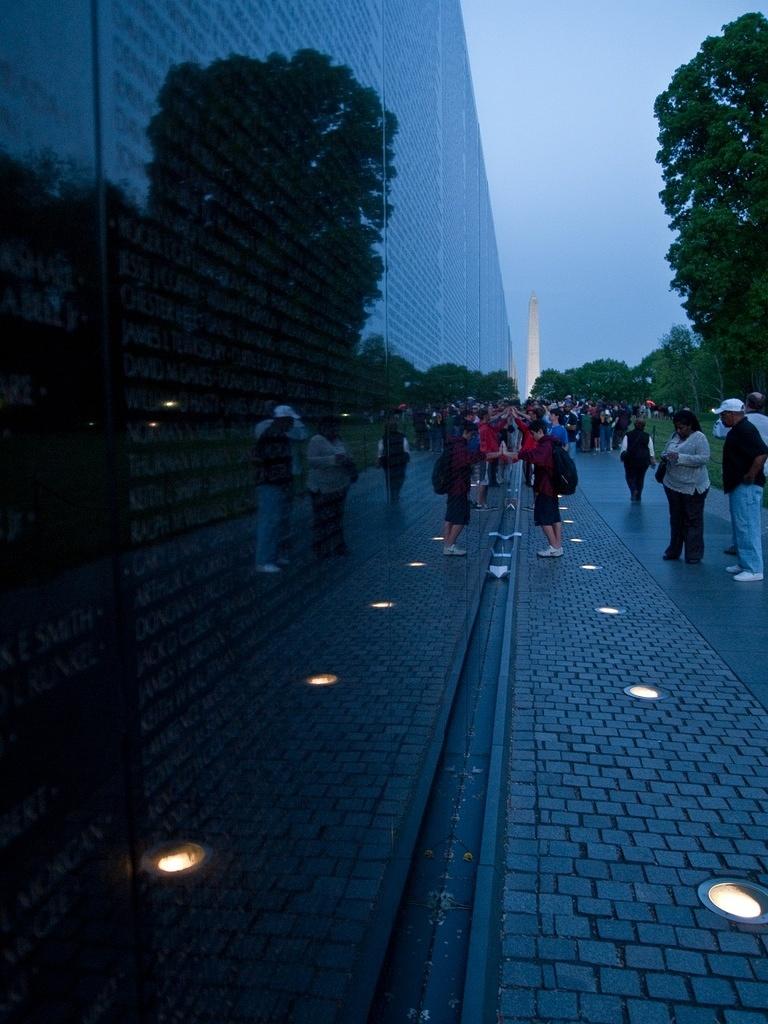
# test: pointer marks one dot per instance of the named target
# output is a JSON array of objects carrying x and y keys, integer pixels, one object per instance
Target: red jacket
[
  {"x": 489, "y": 438},
  {"x": 462, "y": 460},
  {"x": 527, "y": 443},
  {"x": 541, "y": 457}
]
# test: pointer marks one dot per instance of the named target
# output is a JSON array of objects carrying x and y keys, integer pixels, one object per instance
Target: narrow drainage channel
[{"x": 422, "y": 978}]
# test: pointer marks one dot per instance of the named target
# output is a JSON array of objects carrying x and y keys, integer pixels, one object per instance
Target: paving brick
[
  {"x": 605, "y": 953},
  {"x": 619, "y": 982},
  {"x": 753, "y": 994},
  {"x": 646, "y": 1012},
  {"x": 521, "y": 974},
  {"x": 715, "y": 990},
  {"x": 575, "y": 978},
  {"x": 557, "y": 949},
  {"x": 557, "y": 1006},
  {"x": 618, "y": 930},
  {"x": 601, "y": 1009},
  {"x": 645, "y": 957},
  {"x": 685, "y": 962},
  {"x": 667, "y": 986},
  {"x": 517, "y": 1003},
  {"x": 730, "y": 966}
]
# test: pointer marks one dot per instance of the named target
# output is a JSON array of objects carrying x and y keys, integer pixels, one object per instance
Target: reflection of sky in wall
[
  {"x": 140, "y": 41},
  {"x": 43, "y": 43},
  {"x": 565, "y": 94}
]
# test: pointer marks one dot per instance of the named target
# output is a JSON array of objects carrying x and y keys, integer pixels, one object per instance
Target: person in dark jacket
[
  {"x": 637, "y": 454},
  {"x": 546, "y": 505},
  {"x": 744, "y": 458},
  {"x": 457, "y": 507}
]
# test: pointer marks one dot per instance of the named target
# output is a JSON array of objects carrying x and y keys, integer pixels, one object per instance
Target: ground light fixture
[
  {"x": 735, "y": 899},
  {"x": 607, "y": 609},
  {"x": 417, "y": 565},
  {"x": 569, "y": 520},
  {"x": 175, "y": 858},
  {"x": 643, "y": 691},
  {"x": 591, "y": 568},
  {"x": 438, "y": 538},
  {"x": 382, "y": 604},
  {"x": 576, "y": 540},
  {"x": 322, "y": 679}
]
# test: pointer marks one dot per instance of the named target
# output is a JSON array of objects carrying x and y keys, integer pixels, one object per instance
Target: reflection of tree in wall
[
  {"x": 282, "y": 161},
  {"x": 48, "y": 295}
]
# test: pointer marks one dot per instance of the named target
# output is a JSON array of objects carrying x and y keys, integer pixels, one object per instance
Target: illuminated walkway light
[
  {"x": 644, "y": 692},
  {"x": 609, "y": 610},
  {"x": 175, "y": 858},
  {"x": 323, "y": 679},
  {"x": 736, "y": 899}
]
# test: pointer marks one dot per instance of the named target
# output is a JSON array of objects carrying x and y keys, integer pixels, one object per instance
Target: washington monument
[{"x": 533, "y": 362}]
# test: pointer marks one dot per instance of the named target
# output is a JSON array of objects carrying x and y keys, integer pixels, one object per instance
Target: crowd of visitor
[{"x": 480, "y": 441}]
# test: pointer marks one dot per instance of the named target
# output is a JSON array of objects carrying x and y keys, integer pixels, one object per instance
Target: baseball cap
[
  {"x": 730, "y": 405},
  {"x": 285, "y": 410}
]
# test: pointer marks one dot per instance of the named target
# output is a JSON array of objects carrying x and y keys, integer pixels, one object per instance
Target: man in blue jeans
[{"x": 744, "y": 456}]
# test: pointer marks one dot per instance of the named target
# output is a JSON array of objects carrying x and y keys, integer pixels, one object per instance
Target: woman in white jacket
[{"x": 686, "y": 484}]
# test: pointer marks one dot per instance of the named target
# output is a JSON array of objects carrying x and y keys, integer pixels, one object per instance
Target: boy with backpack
[
  {"x": 452, "y": 476},
  {"x": 546, "y": 506}
]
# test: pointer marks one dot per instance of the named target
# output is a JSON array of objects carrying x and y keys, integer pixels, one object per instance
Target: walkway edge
[
  {"x": 481, "y": 981},
  {"x": 373, "y": 949}
]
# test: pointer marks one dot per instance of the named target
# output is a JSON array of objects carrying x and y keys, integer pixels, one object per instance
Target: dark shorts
[
  {"x": 546, "y": 510},
  {"x": 457, "y": 510}
]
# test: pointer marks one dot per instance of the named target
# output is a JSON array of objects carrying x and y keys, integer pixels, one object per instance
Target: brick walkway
[
  {"x": 618, "y": 809},
  {"x": 311, "y": 797}
]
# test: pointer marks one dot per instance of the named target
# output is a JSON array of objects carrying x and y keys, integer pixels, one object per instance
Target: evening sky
[{"x": 565, "y": 92}]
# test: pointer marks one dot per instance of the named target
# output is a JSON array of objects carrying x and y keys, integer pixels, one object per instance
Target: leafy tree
[
  {"x": 713, "y": 137},
  {"x": 601, "y": 378},
  {"x": 495, "y": 385},
  {"x": 687, "y": 370},
  {"x": 551, "y": 384}
]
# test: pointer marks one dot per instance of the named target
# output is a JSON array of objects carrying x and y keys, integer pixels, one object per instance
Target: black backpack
[
  {"x": 441, "y": 473},
  {"x": 565, "y": 477}
]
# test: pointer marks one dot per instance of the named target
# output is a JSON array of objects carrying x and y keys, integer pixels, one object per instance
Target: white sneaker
[
  {"x": 451, "y": 549},
  {"x": 748, "y": 577},
  {"x": 268, "y": 567},
  {"x": 733, "y": 569},
  {"x": 551, "y": 552}
]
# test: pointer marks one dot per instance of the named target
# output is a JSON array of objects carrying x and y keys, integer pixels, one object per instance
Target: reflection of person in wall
[
  {"x": 394, "y": 455},
  {"x": 331, "y": 470},
  {"x": 273, "y": 470},
  {"x": 297, "y": 435}
]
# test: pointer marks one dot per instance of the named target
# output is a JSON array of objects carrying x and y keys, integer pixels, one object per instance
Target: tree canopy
[
  {"x": 601, "y": 378},
  {"x": 713, "y": 137}
]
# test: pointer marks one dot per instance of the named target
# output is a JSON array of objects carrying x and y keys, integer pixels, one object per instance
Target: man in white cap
[
  {"x": 272, "y": 462},
  {"x": 744, "y": 455}
]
